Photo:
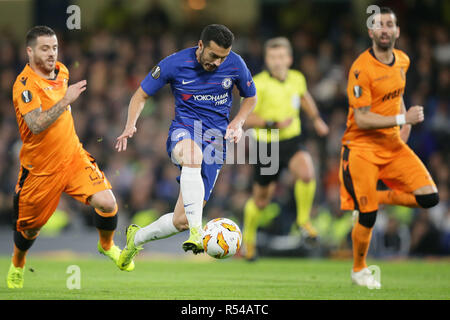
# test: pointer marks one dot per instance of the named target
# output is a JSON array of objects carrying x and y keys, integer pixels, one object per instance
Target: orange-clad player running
[
  {"x": 374, "y": 147},
  {"x": 52, "y": 158}
]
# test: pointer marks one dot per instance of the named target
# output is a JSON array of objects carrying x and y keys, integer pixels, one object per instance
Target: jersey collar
[
  {"x": 30, "y": 70},
  {"x": 389, "y": 65}
]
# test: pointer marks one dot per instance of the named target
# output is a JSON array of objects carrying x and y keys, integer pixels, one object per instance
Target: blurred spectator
[
  {"x": 391, "y": 237},
  {"x": 425, "y": 237}
]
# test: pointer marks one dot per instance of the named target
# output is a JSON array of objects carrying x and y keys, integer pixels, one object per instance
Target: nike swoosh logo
[
  {"x": 187, "y": 205},
  {"x": 186, "y": 82}
]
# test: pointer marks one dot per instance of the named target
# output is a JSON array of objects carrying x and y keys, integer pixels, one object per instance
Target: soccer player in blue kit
[{"x": 202, "y": 79}]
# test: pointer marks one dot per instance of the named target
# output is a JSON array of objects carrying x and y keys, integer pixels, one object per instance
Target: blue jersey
[{"x": 200, "y": 95}]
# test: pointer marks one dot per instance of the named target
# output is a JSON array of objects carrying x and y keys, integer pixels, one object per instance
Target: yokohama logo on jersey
[{"x": 217, "y": 99}]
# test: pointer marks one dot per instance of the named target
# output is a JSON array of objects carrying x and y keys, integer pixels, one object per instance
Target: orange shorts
[
  {"x": 360, "y": 171},
  {"x": 37, "y": 197}
]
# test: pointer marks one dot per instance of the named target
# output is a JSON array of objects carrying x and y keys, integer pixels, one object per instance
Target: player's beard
[
  {"x": 384, "y": 45},
  {"x": 206, "y": 65},
  {"x": 45, "y": 65}
]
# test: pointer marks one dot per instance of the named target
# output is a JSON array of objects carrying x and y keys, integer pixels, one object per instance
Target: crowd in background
[{"x": 143, "y": 178}]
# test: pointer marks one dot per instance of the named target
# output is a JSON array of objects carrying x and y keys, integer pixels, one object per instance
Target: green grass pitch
[{"x": 199, "y": 278}]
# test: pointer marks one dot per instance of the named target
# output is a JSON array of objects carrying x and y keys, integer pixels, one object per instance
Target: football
[{"x": 222, "y": 238}]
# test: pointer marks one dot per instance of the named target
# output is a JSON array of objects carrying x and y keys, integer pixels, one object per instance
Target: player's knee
[
  {"x": 188, "y": 153},
  {"x": 192, "y": 159},
  {"x": 31, "y": 234},
  {"x": 306, "y": 174},
  {"x": 25, "y": 239},
  {"x": 427, "y": 200},
  {"x": 109, "y": 207},
  {"x": 307, "y": 177},
  {"x": 302, "y": 166},
  {"x": 367, "y": 219},
  {"x": 104, "y": 202}
]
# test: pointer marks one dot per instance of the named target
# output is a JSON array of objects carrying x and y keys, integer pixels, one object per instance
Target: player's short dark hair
[
  {"x": 217, "y": 33},
  {"x": 387, "y": 10},
  {"x": 38, "y": 31}
]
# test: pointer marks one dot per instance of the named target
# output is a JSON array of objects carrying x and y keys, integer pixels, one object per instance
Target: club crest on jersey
[
  {"x": 27, "y": 96},
  {"x": 356, "y": 73},
  {"x": 156, "y": 72},
  {"x": 357, "y": 91},
  {"x": 226, "y": 83}
]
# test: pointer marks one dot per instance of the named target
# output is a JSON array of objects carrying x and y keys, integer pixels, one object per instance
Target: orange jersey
[
  {"x": 53, "y": 148},
  {"x": 373, "y": 83}
]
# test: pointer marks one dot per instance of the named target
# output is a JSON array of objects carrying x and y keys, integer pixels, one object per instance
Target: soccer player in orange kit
[
  {"x": 374, "y": 147},
  {"x": 52, "y": 158}
]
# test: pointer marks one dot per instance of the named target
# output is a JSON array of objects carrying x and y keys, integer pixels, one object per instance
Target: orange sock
[
  {"x": 106, "y": 238},
  {"x": 19, "y": 257},
  {"x": 361, "y": 240},
  {"x": 395, "y": 197}
]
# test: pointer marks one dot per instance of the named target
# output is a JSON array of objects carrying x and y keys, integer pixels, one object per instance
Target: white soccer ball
[{"x": 222, "y": 238}]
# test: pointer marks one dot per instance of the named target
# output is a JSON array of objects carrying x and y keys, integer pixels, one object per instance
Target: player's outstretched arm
[
  {"x": 135, "y": 108},
  {"x": 38, "y": 120},
  {"x": 234, "y": 129},
  {"x": 310, "y": 107},
  {"x": 367, "y": 120}
]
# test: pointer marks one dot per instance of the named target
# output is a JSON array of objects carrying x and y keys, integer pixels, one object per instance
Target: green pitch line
[{"x": 205, "y": 278}]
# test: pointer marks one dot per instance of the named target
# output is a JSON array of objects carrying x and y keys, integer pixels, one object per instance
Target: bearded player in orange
[
  {"x": 52, "y": 158},
  {"x": 374, "y": 147}
]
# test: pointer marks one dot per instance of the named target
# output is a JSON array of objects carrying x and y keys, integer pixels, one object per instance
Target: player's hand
[
  {"x": 321, "y": 127},
  {"x": 74, "y": 91},
  {"x": 414, "y": 115},
  {"x": 284, "y": 124},
  {"x": 234, "y": 131},
  {"x": 121, "y": 144}
]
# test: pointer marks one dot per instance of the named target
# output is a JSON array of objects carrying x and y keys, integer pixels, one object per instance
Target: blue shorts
[{"x": 213, "y": 149}]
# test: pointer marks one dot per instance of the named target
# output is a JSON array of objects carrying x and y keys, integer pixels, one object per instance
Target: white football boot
[{"x": 365, "y": 278}]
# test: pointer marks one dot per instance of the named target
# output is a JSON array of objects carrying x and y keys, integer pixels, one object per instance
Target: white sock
[
  {"x": 193, "y": 192},
  {"x": 160, "y": 229}
]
